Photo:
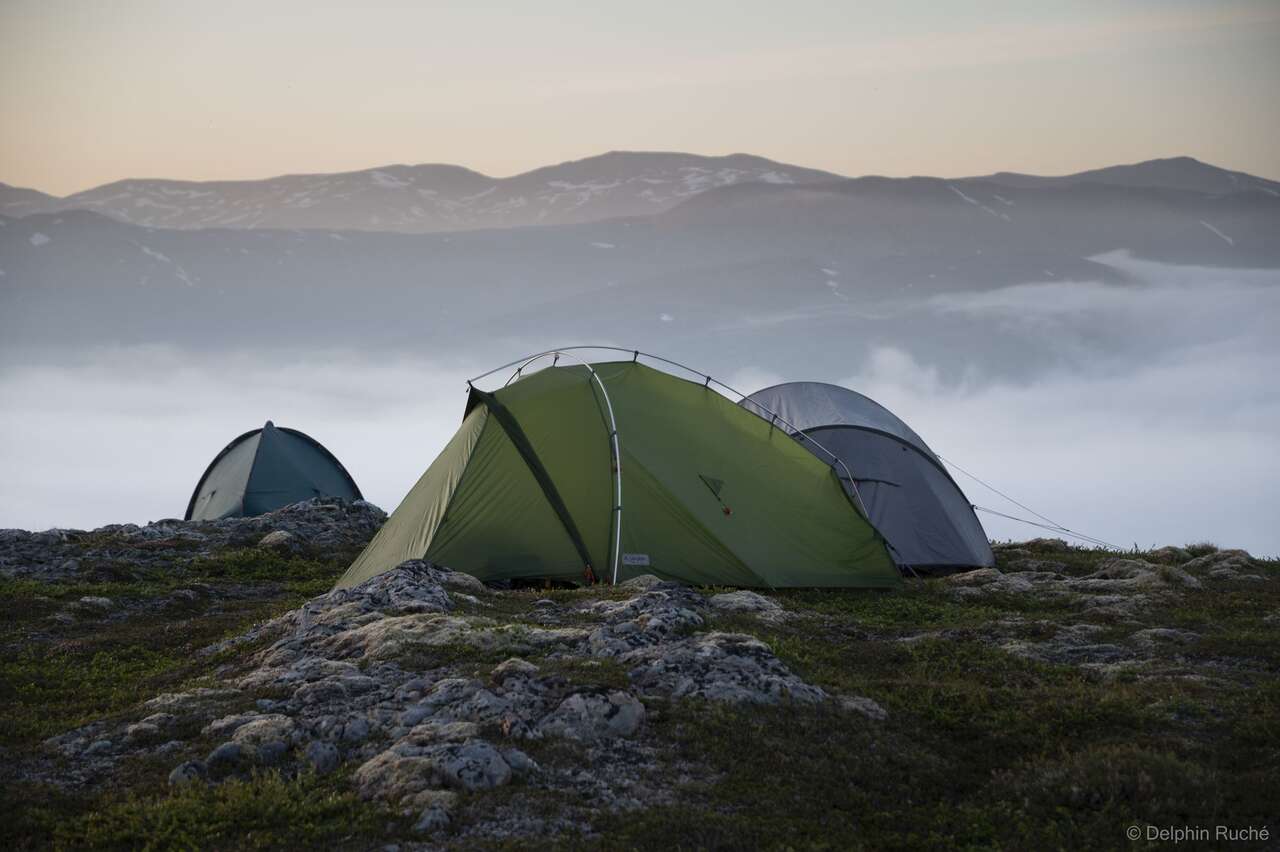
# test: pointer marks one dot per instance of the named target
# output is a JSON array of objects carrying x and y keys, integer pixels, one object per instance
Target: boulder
[
  {"x": 586, "y": 716},
  {"x": 187, "y": 773}
]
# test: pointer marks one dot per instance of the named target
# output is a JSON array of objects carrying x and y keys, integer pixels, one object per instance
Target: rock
[
  {"x": 1165, "y": 636},
  {"x": 197, "y": 702},
  {"x": 513, "y": 667},
  {"x": 89, "y": 603},
  {"x": 356, "y": 730},
  {"x": 584, "y": 716},
  {"x": 743, "y": 601},
  {"x": 1053, "y": 544},
  {"x": 263, "y": 731},
  {"x": 323, "y": 757},
  {"x": 99, "y": 747},
  {"x": 864, "y": 706},
  {"x": 471, "y": 766},
  {"x": 271, "y": 753},
  {"x": 643, "y": 582},
  {"x": 228, "y": 724},
  {"x": 1179, "y": 576},
  {"x": 519, "y": 761},
  {"x": 224, "y": 759},
  {"x": 463, "y": 583},
  {"x": 416, "y": 779},
  {"x": 413, "y": 715},
  {"x": 729, "y": 667},
  {"x": 1169, "y": 554},
  {"x": 187, "y": 773},
  {"x": 1071, "y": 645},
  {"x": 748, "y": 602},
  {"x": 141, "y": 732},
  {"x": 280, "y": 541},
  {"x": 435, "y": 817},
  {"x": 1237, "y": 560}
]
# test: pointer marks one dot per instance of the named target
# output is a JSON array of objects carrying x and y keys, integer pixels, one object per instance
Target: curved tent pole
[
  {"x": 636, "y": 353},
  {"x": 616, "y": 514}
]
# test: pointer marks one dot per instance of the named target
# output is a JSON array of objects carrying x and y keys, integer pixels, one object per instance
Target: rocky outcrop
[
  {"x": 323, "y": 525},
  {"x": 360, "y": 677}
]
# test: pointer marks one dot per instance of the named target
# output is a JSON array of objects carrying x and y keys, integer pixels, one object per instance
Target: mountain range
[
  {"x": 740, "y": 255},
  {"x": 421, "y": 198},
  {"x": 435, "y": 198}
]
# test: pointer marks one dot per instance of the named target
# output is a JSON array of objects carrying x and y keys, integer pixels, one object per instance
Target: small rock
[
  {"x": 1165, "y": 635},
  {"x": 865, "y": 706},
  {"x": 322, "y": 756},
  {"x": 745, "y": 601},
  {"x": 224, "y": 759},
  {"x": 140, "y": 732},
  {"x": 519, "y": 761},
  {"x": 357, "y": 730},
  {"x": 186, "y": 773},
  {"x": 89, "y": 603},
  {"x": 414, "y": 715},
  {"x": 97, "y": 748},
  {"x": 642, "y": 582},
  {"x": 1054, "y": 544},
  {"x": 464, "y": 583},
  {"x": 584, "y": 716},
  {"x": 437, "y": 814},
  {"x": 514, "y": 667},
  {"x": 1177, "y": 576},
  {"x": 271, "y": 753},
  {"x": 472, "y": 766},
  {"x": 279, "y": 540}
]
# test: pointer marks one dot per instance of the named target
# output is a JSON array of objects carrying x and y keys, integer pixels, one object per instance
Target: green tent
[{"x": 694, "y": 488}]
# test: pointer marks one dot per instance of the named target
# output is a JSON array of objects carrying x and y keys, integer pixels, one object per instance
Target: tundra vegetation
[{"x": 196, "y": 684}]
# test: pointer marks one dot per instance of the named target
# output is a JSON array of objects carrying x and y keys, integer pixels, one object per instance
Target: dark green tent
[
  {"x": 265, "y": 469},
  {"x": 616, "y": 469}
]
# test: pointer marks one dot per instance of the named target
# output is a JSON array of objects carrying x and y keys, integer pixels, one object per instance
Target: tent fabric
[
  {"x": 808, "y": 405},
  {"x": 533, "y": 463},
  {"x": 908, "y": 494},
  {"x": 264, "y": 470}
]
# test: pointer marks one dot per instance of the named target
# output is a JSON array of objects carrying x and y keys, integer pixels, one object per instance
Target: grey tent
[
  {"x": 908, "y": 494},
  {"x": 265, "y": 469}
]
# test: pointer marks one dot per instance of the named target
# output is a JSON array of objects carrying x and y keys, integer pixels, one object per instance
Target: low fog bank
[{"x": 1144, "y": 413}]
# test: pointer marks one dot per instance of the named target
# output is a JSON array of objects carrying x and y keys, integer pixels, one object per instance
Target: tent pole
[
  {"x": 636, "y": 353},
  {"x": 616, "y": 463}
]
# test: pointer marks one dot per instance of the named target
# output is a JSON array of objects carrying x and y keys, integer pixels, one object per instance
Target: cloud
[
  {"x": 123, "y": 434},
  {"x": 1161, "y": 428},
  {"x": 1143, "y": 413}
]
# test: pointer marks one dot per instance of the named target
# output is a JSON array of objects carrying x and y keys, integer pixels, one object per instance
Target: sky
[{"x": 93, "y": 92}]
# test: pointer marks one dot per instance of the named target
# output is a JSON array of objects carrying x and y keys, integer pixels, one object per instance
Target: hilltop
[{"x": 188, "y": 682}]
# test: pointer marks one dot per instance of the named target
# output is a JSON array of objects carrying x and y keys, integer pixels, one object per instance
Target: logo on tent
[{"x": 715, "y": 485}]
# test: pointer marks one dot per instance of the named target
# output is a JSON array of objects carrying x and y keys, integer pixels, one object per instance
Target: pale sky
[{"x": 92, "y": 92}]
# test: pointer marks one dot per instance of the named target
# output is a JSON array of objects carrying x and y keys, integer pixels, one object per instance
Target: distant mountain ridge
[
  {"x": 1185, "y": 173},
  {"x": 424, "y": 198},
  {"x": 434, "y": 198}
]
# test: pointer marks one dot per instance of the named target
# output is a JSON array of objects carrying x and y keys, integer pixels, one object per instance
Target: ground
[{"x": 183, "y": 685}]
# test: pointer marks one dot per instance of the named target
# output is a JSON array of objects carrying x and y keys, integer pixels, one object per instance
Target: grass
[
  {"x": 982, "y": 749},
  {"x": 264, "y": 812}
]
